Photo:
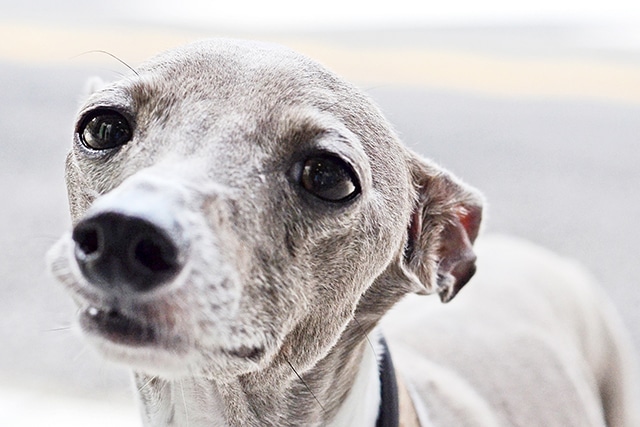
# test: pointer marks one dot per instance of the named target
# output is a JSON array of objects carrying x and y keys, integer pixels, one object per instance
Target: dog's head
[{"x": 235, "y": 203}]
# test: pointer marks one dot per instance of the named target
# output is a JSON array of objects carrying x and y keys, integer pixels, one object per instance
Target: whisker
[
  {"x": 143, "y": 386},
  {"x": 184, "y": 402},
  {"x": 108, "y": 54},
  {"x": 372, "y": 88},
  {"x": 58, "y": 329},
  {"x": 163, "y": 386},
  {"x": 304, "y": 383},
  {"x": 80, "y": 353},
  {"x": 366, "y": 336}
]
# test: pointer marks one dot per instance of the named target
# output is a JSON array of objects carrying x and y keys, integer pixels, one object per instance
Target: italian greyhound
[{"x": 242, "y": 221}]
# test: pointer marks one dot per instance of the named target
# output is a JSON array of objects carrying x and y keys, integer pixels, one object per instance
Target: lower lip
[{"x": 117, "y": 327}]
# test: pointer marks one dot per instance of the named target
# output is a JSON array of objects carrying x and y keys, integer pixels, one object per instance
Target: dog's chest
[{"x": 182, "y": 403}]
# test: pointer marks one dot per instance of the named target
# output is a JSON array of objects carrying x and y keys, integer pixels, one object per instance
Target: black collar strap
[{"x": 389, "y": 413}]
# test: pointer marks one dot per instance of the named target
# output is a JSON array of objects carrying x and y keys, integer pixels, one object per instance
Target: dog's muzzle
[{"x": 132, "y": 241}]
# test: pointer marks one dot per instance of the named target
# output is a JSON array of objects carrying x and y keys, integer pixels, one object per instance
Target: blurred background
[{"x": 535, "y": 103}]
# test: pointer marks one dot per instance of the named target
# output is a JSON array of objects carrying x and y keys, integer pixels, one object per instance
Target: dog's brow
[{"x": 109, "y": 98}]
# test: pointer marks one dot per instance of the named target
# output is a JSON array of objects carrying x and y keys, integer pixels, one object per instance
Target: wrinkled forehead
[{"x": 225, "y": 76}]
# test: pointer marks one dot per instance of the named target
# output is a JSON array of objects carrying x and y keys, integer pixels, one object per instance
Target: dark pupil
[
  {"x": 106, "y": 131},
  {"x": 327, "y": 179}
]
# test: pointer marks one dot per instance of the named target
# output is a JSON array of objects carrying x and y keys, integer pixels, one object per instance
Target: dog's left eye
[
  {"x": 329, "y": 178},
  {"x": 105, "y": 129}
]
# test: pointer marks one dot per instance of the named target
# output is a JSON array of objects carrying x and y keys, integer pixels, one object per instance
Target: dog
[{"x": 242, "y": 221}]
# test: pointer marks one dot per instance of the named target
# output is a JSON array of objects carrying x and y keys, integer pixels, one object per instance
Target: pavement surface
[{"x": 552, "y": 137}]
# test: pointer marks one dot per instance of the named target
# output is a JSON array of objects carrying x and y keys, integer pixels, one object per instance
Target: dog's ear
[{"x": 444, "y": 224}]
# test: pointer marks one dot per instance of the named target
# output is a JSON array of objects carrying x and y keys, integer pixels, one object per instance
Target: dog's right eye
[
  {"x": 329, "y": 178},
  {"x": 105, "y": 129}
]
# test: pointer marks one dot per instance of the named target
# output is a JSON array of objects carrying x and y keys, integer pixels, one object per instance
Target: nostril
[
  {"x": 116, "y": 251},
  {"x": 154, "y": 255},
  {"x": 87, "y": 240}
]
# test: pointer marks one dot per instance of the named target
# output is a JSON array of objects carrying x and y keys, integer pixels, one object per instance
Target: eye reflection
[
  {"x": 104, "y": 130},
  {"x": 329, "y": 178}
]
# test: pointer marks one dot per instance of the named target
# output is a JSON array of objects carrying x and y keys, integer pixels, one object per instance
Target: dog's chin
[
  {"x": 151, "y": 361},
  {"x": 126, "y": 340},
  {"x": 146, "y": 348}
]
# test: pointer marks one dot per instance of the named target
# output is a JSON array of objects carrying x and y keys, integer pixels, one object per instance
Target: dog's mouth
[{"x": 118, "y": 327}]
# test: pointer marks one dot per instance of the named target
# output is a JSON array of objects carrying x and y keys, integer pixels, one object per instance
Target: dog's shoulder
[{"x": 518, "y": 327}]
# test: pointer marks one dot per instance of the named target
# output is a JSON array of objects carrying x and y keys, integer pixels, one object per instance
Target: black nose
[{"x": 120, "y": 252}]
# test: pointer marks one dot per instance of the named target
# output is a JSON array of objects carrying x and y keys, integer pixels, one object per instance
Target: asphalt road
[{"x": 561, "y": 172}]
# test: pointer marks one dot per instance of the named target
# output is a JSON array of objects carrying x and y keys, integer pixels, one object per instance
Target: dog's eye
[
  {"x": 329, "y": 178},
  {"x": 105, "y": 129}
]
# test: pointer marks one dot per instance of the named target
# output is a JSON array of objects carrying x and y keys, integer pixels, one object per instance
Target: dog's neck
[
  {"x": 361, "y": 407},
  {"x": 343, "y": 389}
]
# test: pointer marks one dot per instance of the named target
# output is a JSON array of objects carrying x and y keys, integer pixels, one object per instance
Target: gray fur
[{"x": 276, "y": 284}]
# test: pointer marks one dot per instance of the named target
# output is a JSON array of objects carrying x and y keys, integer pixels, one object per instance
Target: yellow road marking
[{"x": 425, "y": 67}]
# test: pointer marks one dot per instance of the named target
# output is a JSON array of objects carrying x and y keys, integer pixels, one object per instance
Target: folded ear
[{"x": 444, "y": 224}]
